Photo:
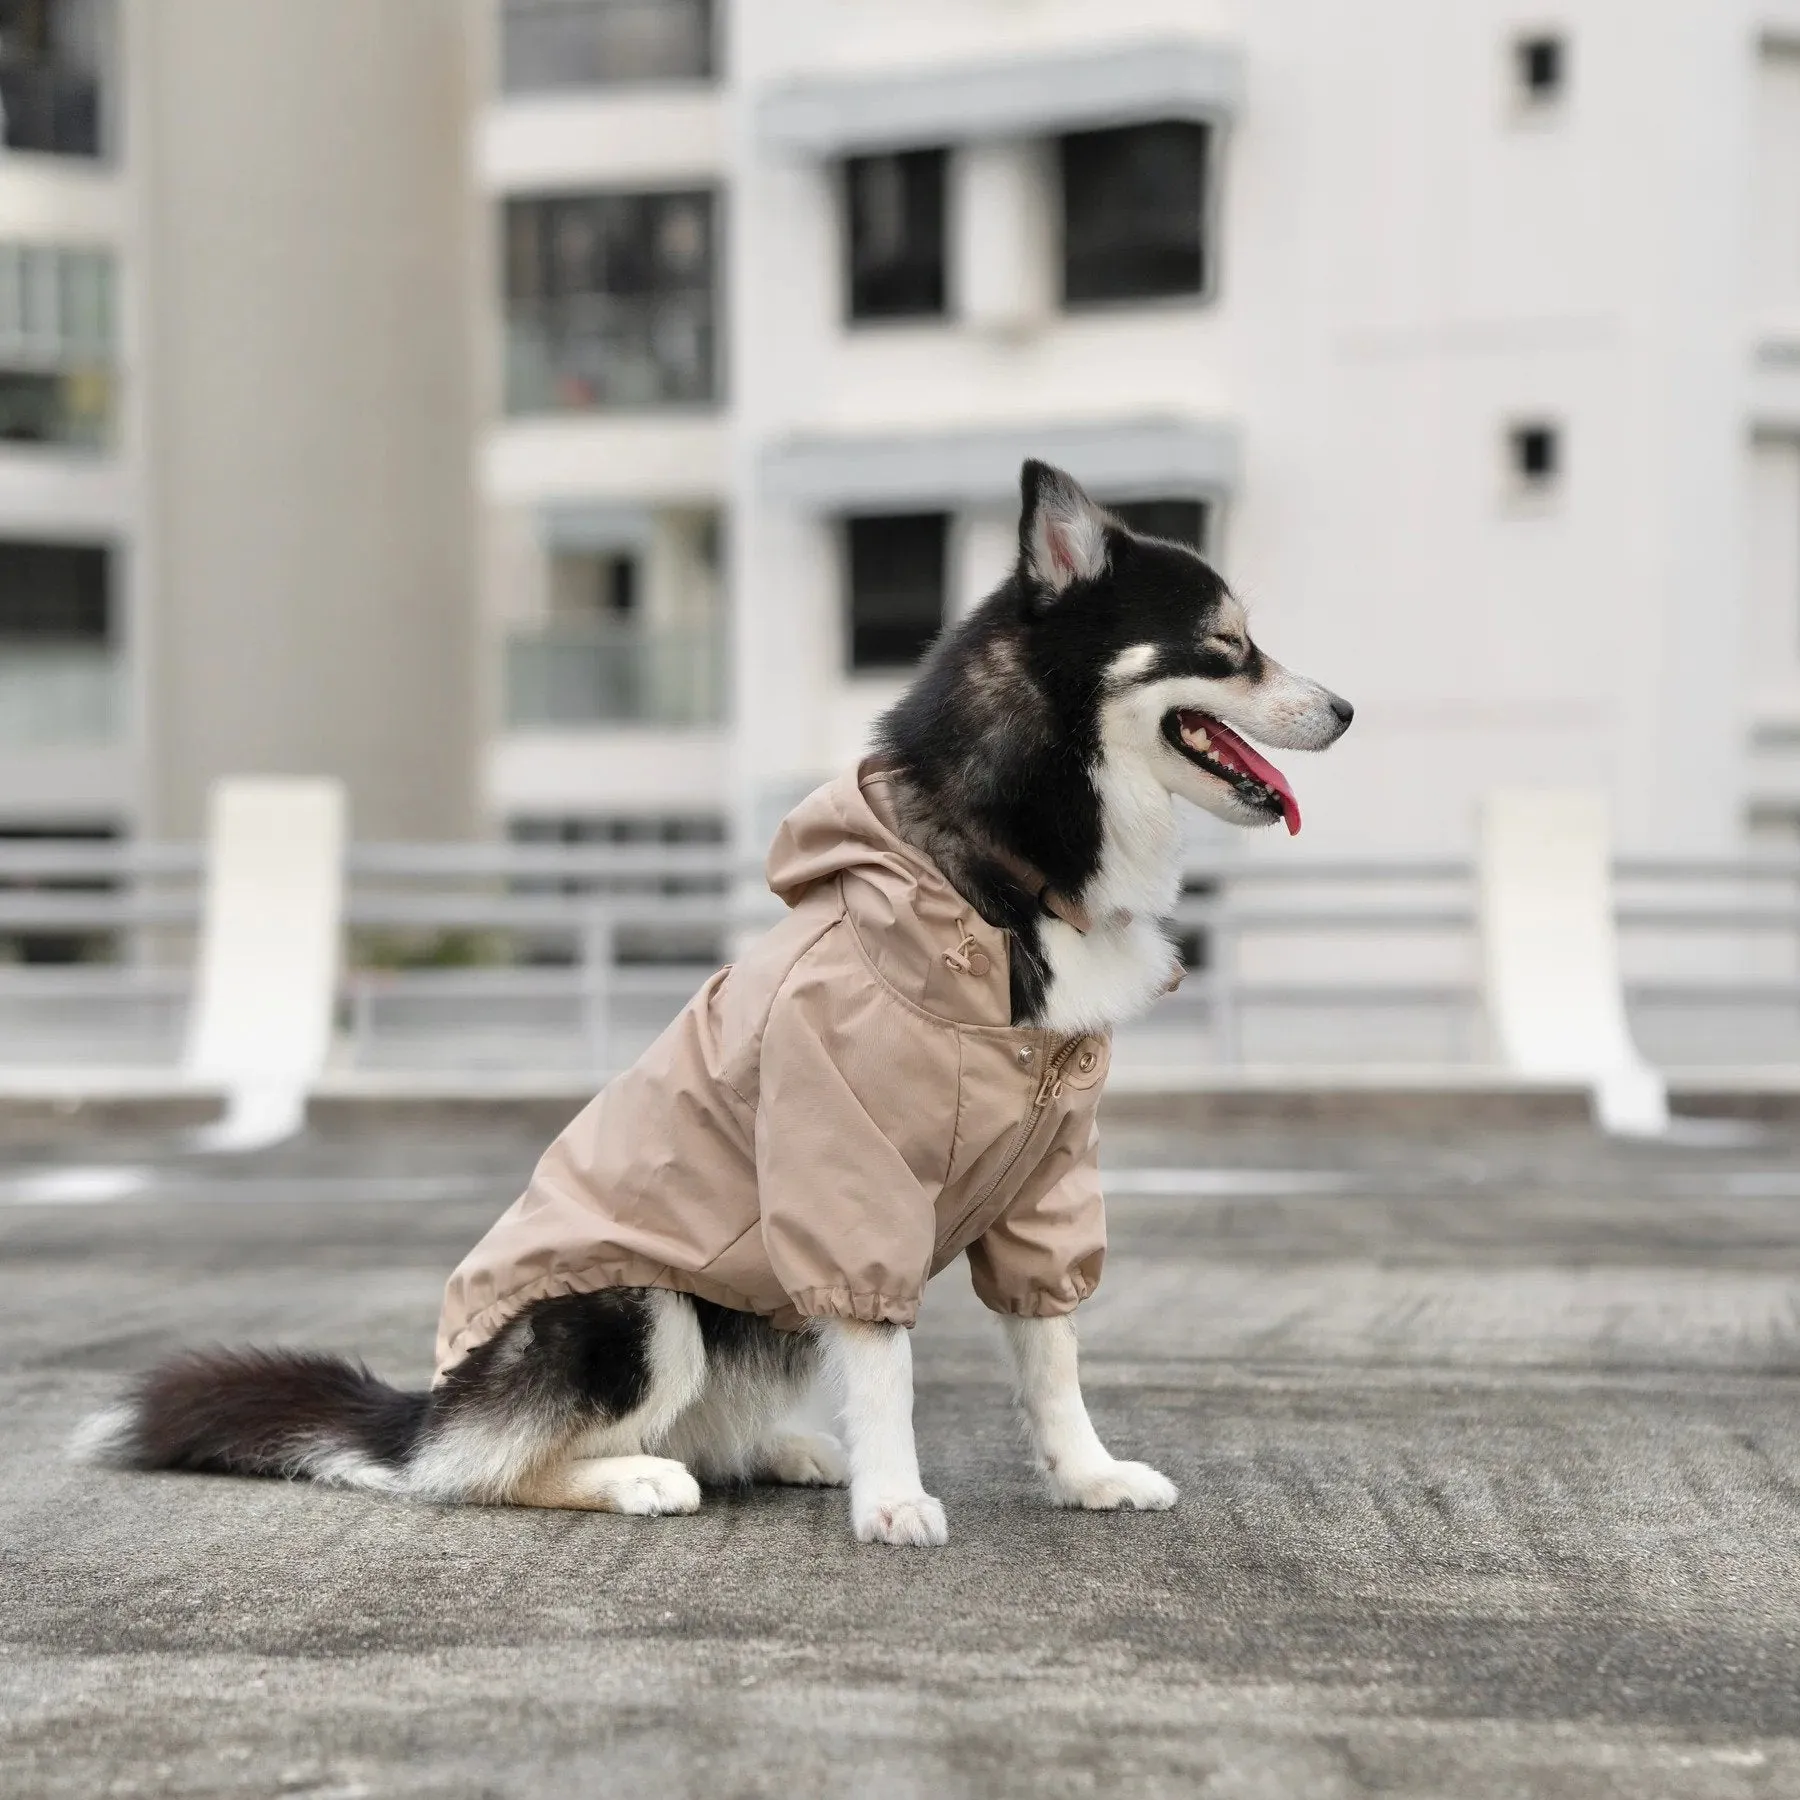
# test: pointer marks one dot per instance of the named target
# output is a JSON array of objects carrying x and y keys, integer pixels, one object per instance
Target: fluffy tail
[{"x": 261, "y": 1412}]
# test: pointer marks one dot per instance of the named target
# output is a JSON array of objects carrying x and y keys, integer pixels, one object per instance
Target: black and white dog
[{"x": 1050, "y": 731}]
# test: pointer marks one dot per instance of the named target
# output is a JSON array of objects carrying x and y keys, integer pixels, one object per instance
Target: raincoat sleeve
[
  {"x": 1042, "y": 1256},
  {"x": 847, "y": 1221}
]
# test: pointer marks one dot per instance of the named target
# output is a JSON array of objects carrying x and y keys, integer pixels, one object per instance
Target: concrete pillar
[{"x": 307, "y": 314}]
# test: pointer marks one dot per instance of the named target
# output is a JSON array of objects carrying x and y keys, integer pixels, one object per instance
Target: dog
[{"x": 1020, "y": 803}]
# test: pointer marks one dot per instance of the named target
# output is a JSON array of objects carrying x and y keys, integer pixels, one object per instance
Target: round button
[
  {"x": 978, "y": 962},
  {"x": 1026, "y": 1055}
]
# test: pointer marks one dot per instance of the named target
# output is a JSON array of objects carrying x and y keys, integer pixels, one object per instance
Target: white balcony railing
[
  {"x": 58, "y": 696},
  {"x": 588, "y": 676},
  {"x": 549, "y": 957}
]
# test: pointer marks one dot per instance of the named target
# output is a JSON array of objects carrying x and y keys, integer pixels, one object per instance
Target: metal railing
[
  {"x": 583, "y": 676},
  {"x": 556, "y": 44},
  {"x": 572, "y": 957},
  {"x": 58, "y": 696},
  {"x": 587, "y": 352}
]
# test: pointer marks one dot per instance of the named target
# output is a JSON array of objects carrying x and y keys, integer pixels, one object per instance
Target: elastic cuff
[
  {"x": 1037, "y": 1303},
  {"x": 845, "y": 1303}
]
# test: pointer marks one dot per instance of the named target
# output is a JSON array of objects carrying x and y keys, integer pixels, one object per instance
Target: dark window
[
  {"x": 50, "y": 62},
  {"x": 1134, "y": 212},
  {"x": 896, "y": 587},
  {"x": 609, "y": 301},
  {"x": 1540, "y": 66},
  {"x": 896, "y": 234},
  {"x": 621, "y": 585},
  {"x": 57, "y": 591},
  {"x": 603, "y": 43},
  {"x": 1535, "y": 454},
  {"x": 1182, "y": 521}
]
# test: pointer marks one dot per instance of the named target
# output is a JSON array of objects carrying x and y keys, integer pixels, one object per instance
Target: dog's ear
[{"x": 1062, "y": 533}]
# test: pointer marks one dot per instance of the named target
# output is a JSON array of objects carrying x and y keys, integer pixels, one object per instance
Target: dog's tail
[{"x": 261, "y": 1412}]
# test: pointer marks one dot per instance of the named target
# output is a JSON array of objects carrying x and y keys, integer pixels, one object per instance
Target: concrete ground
[{"x": 1489, "y": 1448}]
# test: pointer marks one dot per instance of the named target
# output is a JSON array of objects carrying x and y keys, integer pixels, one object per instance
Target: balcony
[
  {"x": 66, "y": 409},
  {"x": 604, "y": 351},
  {"x": 52, "y": 111},
  {"x": 58, "y": 696},
  {"x": 548, "y": 45},
  {"x": 597, "y": 676}
]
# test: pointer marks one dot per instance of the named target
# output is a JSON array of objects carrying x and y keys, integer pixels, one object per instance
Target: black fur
[
  {"x": 259, "y": 1412},
  {"x": 997, "y": 737},
  {"x": 564, "y": 1363}
]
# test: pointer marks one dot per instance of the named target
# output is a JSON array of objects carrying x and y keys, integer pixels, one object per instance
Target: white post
[
  {"x": 1555, "y": 994},
  {"x": 266, "y": 981}
]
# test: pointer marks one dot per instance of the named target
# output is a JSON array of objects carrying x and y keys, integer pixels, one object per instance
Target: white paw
[
  {"x": 654, "y": 1485},
  {"x": 805, "y": 1459},
  {"x": 913, "y": 1519},
  {"x": 1113, "y": 1485}
]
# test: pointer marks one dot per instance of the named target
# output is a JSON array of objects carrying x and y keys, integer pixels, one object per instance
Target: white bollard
[
  {"x": 266, "y": 980},
  {"x": 1550, "y": 951}
]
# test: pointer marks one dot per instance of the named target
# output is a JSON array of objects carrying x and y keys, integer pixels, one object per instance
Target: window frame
[
  {"x": 716, "y": 195},
  {"x": 945, "y": 310},
  {"x": 878, "y": 671},
  {"x": 1212, "y": 237}
]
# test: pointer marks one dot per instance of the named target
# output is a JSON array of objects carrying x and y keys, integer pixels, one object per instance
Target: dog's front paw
[
  {"x": 1112, "y": 1485},
  {"x": 910, "y": 1519}
]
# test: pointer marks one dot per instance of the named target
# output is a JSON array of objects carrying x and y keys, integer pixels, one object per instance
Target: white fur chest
[{"x": 1101, "y": 978}]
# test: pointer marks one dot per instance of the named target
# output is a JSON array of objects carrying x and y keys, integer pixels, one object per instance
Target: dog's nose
[{"x": 1344, "y": 710}]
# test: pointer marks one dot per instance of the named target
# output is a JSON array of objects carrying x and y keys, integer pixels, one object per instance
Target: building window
[
  {"x": 1134, "y": 212},
  {"x": 895, "y": 234},
  {"x": 59, "y": 676},
  {"x": 56, "y": 336},
  {"x": 1181, "y": 521},
  {"x": 897, "y": 581},
  {"x": 1534, "y": 459},
  {"x": 54, "y": 593},
  {"x": 51, "y": 56},
  {"x": 547, "y": 44},
  {"x": 1540, "y": 69},
  {"x": 609, "y": 302}
]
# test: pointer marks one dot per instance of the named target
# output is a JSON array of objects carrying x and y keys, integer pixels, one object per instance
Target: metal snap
[
  {"x": 1085, "y": 1062},
  {"x": 1026, "y": 1055}
]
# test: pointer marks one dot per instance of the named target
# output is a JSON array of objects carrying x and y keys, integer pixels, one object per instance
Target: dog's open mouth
[{"x": 1221, "y": 752}]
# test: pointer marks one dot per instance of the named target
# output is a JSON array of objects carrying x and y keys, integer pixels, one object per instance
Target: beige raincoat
[{"x": 828, "y": 1123}]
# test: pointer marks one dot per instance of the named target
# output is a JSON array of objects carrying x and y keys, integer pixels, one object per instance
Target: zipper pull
[{"x": 1050, "y": 1088}]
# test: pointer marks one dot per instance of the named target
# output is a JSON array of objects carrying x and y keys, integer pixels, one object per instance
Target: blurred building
[
  {"x": 1465, "y": 338},
  {"x": 235, "y": 495},
  {"x": 1462, "y": 336}
]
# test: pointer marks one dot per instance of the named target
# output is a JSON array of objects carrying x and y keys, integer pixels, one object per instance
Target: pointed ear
[{"x": 1062, "y": 533}]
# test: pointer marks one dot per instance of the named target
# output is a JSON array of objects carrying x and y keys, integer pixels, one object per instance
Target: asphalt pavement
[{"x": 1489, "y": 1449}]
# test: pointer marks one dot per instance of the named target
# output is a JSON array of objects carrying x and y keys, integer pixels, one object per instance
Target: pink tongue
[{"x": 1259, "y": 766}]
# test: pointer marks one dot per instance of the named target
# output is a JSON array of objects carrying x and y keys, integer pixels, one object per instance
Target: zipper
[{"x": 1048, "y": 1089}]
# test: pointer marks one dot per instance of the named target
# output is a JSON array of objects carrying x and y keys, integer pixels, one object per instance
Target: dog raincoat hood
[{"x": 828, "y": 1123}]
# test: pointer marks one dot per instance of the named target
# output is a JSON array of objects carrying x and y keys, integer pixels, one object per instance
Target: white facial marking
[{"x": 1130, "y": 663}]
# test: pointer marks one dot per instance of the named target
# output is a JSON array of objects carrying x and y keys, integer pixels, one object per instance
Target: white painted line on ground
[
  {"x": 100, "y": 1186},
  {"x": 74, "y": 1186},
  {"x": 1224, "y": 1184}
]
